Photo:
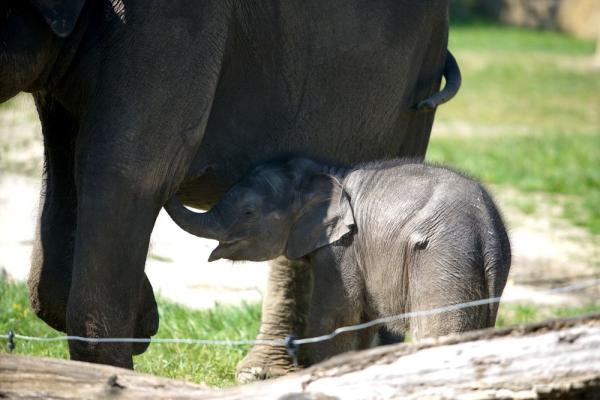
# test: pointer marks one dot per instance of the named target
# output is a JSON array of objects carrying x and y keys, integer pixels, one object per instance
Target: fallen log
[{"x": 557, "y": 359}]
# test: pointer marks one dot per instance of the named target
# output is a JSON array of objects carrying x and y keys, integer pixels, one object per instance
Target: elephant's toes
[
  {"x": 146, "y": 327},
  {"x": 49, "y": 306},
  {"x": 250, "y": 374},
  {"x": 139, "y": 348},
  {"x": 256, "y": 367},
  {"x": 258, "y": 373}
]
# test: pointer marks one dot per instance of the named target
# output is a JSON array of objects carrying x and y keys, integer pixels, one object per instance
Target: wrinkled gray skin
[
  {"x": 138, "y": 102},
  {"x": 380, "y": 239}
]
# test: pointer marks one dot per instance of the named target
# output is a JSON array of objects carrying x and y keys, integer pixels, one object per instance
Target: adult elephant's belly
[
  {"x": 236, "y": 143},
  {"x": 347, "y": 133},
  {"x": 346, "y": 97}
]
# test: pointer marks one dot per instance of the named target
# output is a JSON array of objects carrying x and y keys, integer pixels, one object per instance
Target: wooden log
[{"x": 558, "y": 359}]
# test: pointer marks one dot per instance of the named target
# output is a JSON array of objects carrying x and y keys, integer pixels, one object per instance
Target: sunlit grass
[
  {"x": 513, "y": 314},
  {"x": 521, "y": 80},
  {"x": 487, "y": 36},
  {"x": 554, "y": 163}
]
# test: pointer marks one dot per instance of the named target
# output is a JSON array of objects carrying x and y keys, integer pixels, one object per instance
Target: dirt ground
[{"x": 548, "y": 251}]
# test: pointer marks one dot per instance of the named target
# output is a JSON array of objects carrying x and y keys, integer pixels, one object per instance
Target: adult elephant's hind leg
[{"x": 284, "y": 312}]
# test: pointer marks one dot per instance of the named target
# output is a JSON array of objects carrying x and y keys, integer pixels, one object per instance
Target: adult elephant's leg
[
  {"x": 284, "y": 312},
  {"x": 118, "y": 201},
  {"x": 336, "y": 301},
  {"x": 143, "y": 126},
  {"x": 52, "y": 260}
]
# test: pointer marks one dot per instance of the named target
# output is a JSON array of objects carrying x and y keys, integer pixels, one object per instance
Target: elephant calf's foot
[{"x": 264, "y": 362}]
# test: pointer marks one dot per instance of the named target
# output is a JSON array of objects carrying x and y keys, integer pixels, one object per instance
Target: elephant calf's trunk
[{"x": 204, "y": 225}]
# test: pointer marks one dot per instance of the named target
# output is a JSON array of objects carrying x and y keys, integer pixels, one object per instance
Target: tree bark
[{"x": 558, "y": 359}]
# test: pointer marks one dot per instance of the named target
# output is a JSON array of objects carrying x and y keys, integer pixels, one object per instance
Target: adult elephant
[{"x": 139, "y": 101}]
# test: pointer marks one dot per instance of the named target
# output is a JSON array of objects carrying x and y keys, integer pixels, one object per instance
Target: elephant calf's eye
[{"x": 248, "y": 213}]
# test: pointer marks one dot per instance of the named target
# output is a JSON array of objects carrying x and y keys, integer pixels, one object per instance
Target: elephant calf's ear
[
  {"x": 321, "y": 223},
  {"x": 61, "y": 16}
]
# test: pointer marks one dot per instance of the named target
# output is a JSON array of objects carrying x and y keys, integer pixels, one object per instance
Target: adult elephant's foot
[
  {"x": 264, "y": 362},
  {"x": 147, "y": 322},
  {"x": 110, "y": 296}
]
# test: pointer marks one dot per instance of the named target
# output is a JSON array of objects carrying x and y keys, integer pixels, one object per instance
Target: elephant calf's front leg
[{"x": 284, "y": 312}]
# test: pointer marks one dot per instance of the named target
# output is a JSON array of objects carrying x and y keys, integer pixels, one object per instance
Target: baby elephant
[{"x": 381, "y": 238}]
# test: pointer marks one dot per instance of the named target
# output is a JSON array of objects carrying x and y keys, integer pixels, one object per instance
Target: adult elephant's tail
[{"x": 453, "y": 81}]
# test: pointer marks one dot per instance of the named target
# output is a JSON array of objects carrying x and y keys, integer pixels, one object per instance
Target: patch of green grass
[
  {"x": 523, "y": 80},
  {"x": 213, "y": 365},
  {"x": 527, "y": 207},
  {"x": 488, "y": 36},
  {"x": 510, "y": 314},
  {"x": 513, "y": 314},
  {"x": 525, "y": 204},
  {"x": 554, "y": 163},
  {"x": 16, "y": 315}
]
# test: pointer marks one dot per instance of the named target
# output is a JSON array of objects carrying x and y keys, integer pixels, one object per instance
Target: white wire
[
  {"x": 322, "y": 338},
  {"x": 224, "y": 342}
]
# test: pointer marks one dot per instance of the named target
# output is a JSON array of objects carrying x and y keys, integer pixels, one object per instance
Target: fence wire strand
[{"x": 297, "y": 342}]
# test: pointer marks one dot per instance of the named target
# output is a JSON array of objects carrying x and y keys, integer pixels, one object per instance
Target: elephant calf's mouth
[{"x": 225, "y": 250}]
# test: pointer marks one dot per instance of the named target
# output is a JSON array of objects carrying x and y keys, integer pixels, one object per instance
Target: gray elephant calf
[{"x": 381, "y": 239}]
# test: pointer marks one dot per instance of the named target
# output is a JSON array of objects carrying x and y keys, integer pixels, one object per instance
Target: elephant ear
[
  {"x": 325, "y": 218},
  {"x": 61, "y": 16}
]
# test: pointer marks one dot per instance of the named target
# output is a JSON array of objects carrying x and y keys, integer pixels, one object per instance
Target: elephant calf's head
[{"x": 283, "y": 208}]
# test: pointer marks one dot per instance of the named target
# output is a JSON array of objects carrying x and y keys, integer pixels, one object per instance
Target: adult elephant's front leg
[
  {"x": 114, "y": 222},
  {"x": 284, "y": 312},
  {"x": 52, "y": 260},
  {"x": 144, "y": 123},
  {"x": 121, "y": 186}
]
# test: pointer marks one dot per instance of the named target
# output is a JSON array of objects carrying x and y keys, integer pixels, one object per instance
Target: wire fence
[{"x": 291, "y": 342}]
